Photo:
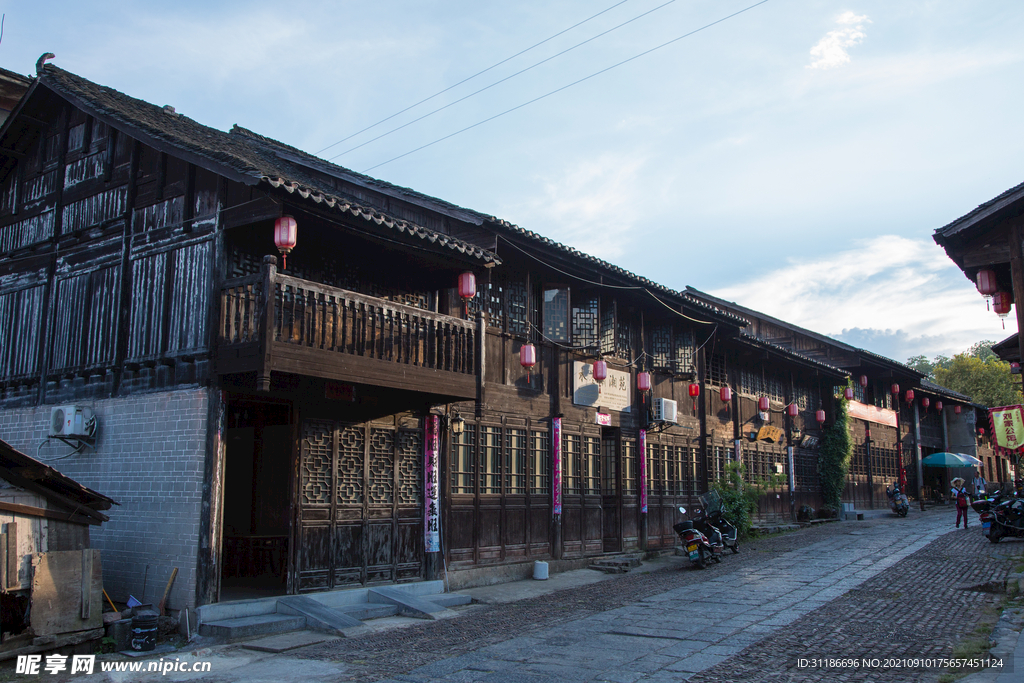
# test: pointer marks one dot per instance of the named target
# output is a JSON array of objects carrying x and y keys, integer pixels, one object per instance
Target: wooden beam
[
  {"x": 70, "y": 504},
  {"x": 32, "y": 511},
  {"x": 1017, "y": 276},
  {"x": 991, "y": 254}
]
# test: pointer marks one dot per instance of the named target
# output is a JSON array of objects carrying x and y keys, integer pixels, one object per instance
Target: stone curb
[{"x": 1006, "y": 636}]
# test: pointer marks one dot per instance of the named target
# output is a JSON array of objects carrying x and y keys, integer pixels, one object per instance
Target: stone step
[
  {"x": 248, "y": 627},
  {"x": 368, "y": 610},
  {"x": 449, "y": 599}
]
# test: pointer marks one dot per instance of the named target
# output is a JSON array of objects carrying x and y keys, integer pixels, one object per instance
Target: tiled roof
[
  {"x": 983, "y": 211},
  {"x": 240, "y": 154},
  {"x": 939, "y": 389},
  {"x": 793, "y": 355}
]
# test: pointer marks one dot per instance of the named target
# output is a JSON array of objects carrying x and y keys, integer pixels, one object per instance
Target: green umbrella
[{"x": 946, "y": 460}]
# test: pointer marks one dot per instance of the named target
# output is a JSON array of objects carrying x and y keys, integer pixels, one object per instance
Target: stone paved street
[{"x": 833, "y": 591}]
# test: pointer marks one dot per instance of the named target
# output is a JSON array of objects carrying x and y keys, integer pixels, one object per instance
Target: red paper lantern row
[
  {"x": 848, "y": 393},
  {"x": 643, "y": 381},
  {"x": 1001, "y": 302},
  {"x": 820, "y": 416},
  {"x": 725, "y": 393},
  {"x": 895, "y": 389},
  {"x": 938, "y": 406},
  {"x": 910, "y": 395},
  {"x": 792, "y": 410},
  {"x": 863, "y": 380},
  {"x": 763, "y": 404},
  {"x": 286, "y": 232},
  {"x": 528, "y": 355},
  {"x": 925, "y": 401},
  {"x": 986, "y": 280},
  {"x": 600, "y": 370}
]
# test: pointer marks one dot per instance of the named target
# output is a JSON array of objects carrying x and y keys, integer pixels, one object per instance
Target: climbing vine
[{"x": 834, "y": 457}]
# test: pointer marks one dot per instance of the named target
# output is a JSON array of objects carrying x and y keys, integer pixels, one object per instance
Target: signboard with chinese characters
[
  {"x": 1007, "y": 428},
  {"x": 556, "y": 465},
  {"x": 770, "y": 433},
  {"x": 870, "y": 413},
  {"x": 431, "y": 502},
  {"x": 611, "y": 394}
]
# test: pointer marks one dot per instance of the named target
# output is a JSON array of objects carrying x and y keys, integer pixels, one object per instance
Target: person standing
[
  {"x": 979, "y": 484},
  {"x": 960, "y": 495}
]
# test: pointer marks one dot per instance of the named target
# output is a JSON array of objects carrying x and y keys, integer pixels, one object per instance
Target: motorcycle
[
  {"x": 897, "y": 500},
  {"x": 1005, "y": 518},
  {"x": 713, "y": 524},
  {"x": 699, "y": 547}
]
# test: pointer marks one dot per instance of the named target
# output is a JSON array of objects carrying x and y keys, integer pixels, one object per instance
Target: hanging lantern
[
  {"x": 981, "y": 431},
  {"x": 938, "y": 406},
  {"x": 1001, "y": 302},
  {"x": 910, "y": 395},
  {"x": 925, "y": 401},
  {"x": 895, "y": 389},
  {"x": 848, "y": 393},
  {"x": 792, "y": 410},
  {"x": 286, "y": 230},
  {"x": 820, "y": 416},
  {"x": 528, "y": 355},
  {"x": 987, "y": 285},
  {"x": 467, "y": 285},
  {"x": 863, "y": 380},
  {"x": 956, "y": 409},
  {"x": 763, "y": 404},
  {"x": 725, "y": 393},
  {"x": 694, "y": 390},
  {"x": 643, "y": 381},
  {"x": 600, "y": 371}
]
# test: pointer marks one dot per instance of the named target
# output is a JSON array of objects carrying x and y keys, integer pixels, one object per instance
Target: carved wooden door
[{"x": 360, "y": 515}]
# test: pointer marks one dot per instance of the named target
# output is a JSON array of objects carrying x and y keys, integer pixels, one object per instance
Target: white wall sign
[{"x": 611, "y": 394}]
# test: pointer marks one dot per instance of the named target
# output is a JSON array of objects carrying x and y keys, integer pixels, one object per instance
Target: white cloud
[
  {"x": 895, "y": 296},
  {"x": 830, "y": 51}
]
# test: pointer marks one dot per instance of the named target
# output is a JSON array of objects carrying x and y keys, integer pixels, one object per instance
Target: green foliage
[
  {"x": 987, "y": 381},
  {"x": 929, "y": 367},
  {"x": 740, "y": 498},
  {"x": 834, "y": 458}
]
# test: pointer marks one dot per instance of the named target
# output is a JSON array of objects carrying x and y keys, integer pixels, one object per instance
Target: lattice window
[
  {"x": 351, "y": 450},
  {"x": 805, "y": 465},
  {"x": 381, "y": 490},
  {"x": 317, "y": 458},
  {"x": 540, "y": 463},
  {"x": 858, "y": 461},
  {"x": 489, "y": 449},
  {"x": 496, "y": 304},
  {"x": 624, "y": 338},
  {"x": 628, "y": 467},
  {"x": 776, "y": 389},
  {"x": 802, "y": 397},
  {"x": 410, "y": 467},
  {"x": 719, "y": 457},
  {"x": 608, "y": 329},
  {"x": 571, "y": 463},
  {"x": 685, "y": 352},
  {"x": 591, "y": 465},
  {"x": 661, "y": 347},
  {"x": 556, "y": 314},
  {"x": 751, "y": 383},
  {"x": 655, "y": 468},
  {"x": 716, "y": 370},
  {"x": 609, "y": 468},
  {"x": 515, "y": 460},
  {"x": 584, "y": 323},
  {"x": 462, "y": 460},
  {"x": 691, "y": 485},
  {"x": 518, "y": 308},
  {"x": 673, "y": 468}
]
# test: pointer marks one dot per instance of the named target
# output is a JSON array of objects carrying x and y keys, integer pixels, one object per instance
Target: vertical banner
[
  {"x": 556, "y": 465},
  {"x": 643, "y": 471},
  {"x": 792, "y": 470},
  {"x": 431, "y": 508}
]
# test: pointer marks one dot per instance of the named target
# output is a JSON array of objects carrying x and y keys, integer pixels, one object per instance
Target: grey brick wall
[{"x": 148, "y": 457}]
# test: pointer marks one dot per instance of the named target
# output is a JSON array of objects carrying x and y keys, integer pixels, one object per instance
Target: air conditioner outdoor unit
[
  {"x": 665, "y": 410},
  {"x": 72, "y": 422}
]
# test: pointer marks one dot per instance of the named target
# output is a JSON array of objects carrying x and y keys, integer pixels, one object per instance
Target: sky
[{"x": 794, "y": 157}]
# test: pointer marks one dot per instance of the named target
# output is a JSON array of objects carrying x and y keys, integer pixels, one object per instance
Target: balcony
[{"x": 306, "y": 328}]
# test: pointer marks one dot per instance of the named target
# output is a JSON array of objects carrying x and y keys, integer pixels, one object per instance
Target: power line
[
  {"x": 478, "y": 73},
  {"x": 499, "y": 82},
  {"x": 566, "y": 87}
]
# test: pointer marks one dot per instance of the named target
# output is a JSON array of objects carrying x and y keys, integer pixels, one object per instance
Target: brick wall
[{"x": 148, "y": 457}]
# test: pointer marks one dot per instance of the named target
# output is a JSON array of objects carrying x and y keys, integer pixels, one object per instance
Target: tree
[{"x": 987, "y": 381}]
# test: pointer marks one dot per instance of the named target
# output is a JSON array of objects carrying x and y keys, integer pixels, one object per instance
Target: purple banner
[
  {"x": 431, "y": 508},
  {"x": 642, "y": 457},
  {"x": 556, "y": 465}
]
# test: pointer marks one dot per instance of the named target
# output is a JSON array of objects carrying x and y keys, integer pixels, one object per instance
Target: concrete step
[
  {"x": 319, "y": 617},
  {"x": 616, "y": 565},
  {"x": 449, "y": 599},
  {"x": 249, "y": 627},
  {"x": 368, "y": 610}
]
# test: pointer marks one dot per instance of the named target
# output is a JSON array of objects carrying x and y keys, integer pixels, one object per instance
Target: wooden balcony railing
[{"x": 306, "y": 320}]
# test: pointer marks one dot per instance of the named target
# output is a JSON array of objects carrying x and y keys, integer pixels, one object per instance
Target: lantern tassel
[{"x": 284, "y": 261}]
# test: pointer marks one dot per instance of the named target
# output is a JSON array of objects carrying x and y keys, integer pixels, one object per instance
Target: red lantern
[
  {"x": 863, "y": 380},
  {"x": 725, "y": 393},
  {"x": 643, "y": 381},
  {"x": 467, "y": 285},
  {"x": 694, "y": 390},
  {"x": 763, "y": 404},
  {"x": 925, "y": 401},
  {"x": 938, "y": 406},
  {"x": 986, "y": 280},
  {"x": 895, "y": 389},
  {"x": 1001, "y": 302},
  {"x": 600, "y": 370},
  {"x": 528, "y": 355},
  {"x": 286, "y": 230},
  {"x": 820, "y": 416},
  {"x": 792, "y": 410},
  {"x": 956, "y": 409},
  {"x": 910, "y": 395},
  {"x": 848, "y": 393},
  {"x": 981, "y": 431}
]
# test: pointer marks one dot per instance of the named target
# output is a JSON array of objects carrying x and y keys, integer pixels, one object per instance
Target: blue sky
[{"x": 794, "y": 158}]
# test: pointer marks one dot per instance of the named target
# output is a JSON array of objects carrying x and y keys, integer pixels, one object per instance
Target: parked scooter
[
  {"x": 712, "y": 522},
  {"x": 700, "y": 548},
  {"x": 1002, "y": 518},
  {"x": 897, "y": 500}
]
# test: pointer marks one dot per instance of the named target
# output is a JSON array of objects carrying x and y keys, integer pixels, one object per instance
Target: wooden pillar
[
  {"x": 267, "y": 323},
  {"x": 917, "y": 457},
  {"x": 871, "y": 474},
  {"x": 211, "y": 516}
]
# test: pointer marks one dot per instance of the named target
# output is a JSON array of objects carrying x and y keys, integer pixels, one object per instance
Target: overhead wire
[
  {"x": 567, "y": 86},
  {"x": 499, "y": 82},
  {"x": 469, "y": 78}
]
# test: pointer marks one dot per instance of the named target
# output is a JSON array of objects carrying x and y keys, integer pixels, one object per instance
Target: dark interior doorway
[{"x": 257, "y": 485}]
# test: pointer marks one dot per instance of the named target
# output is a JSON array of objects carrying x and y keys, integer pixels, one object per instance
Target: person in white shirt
[
  {"x": 979, "y": 484},
  {"x": 962, "y": 500}
]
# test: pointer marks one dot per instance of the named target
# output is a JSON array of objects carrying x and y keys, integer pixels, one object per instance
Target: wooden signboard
[{"x": 770, "y": 433}]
